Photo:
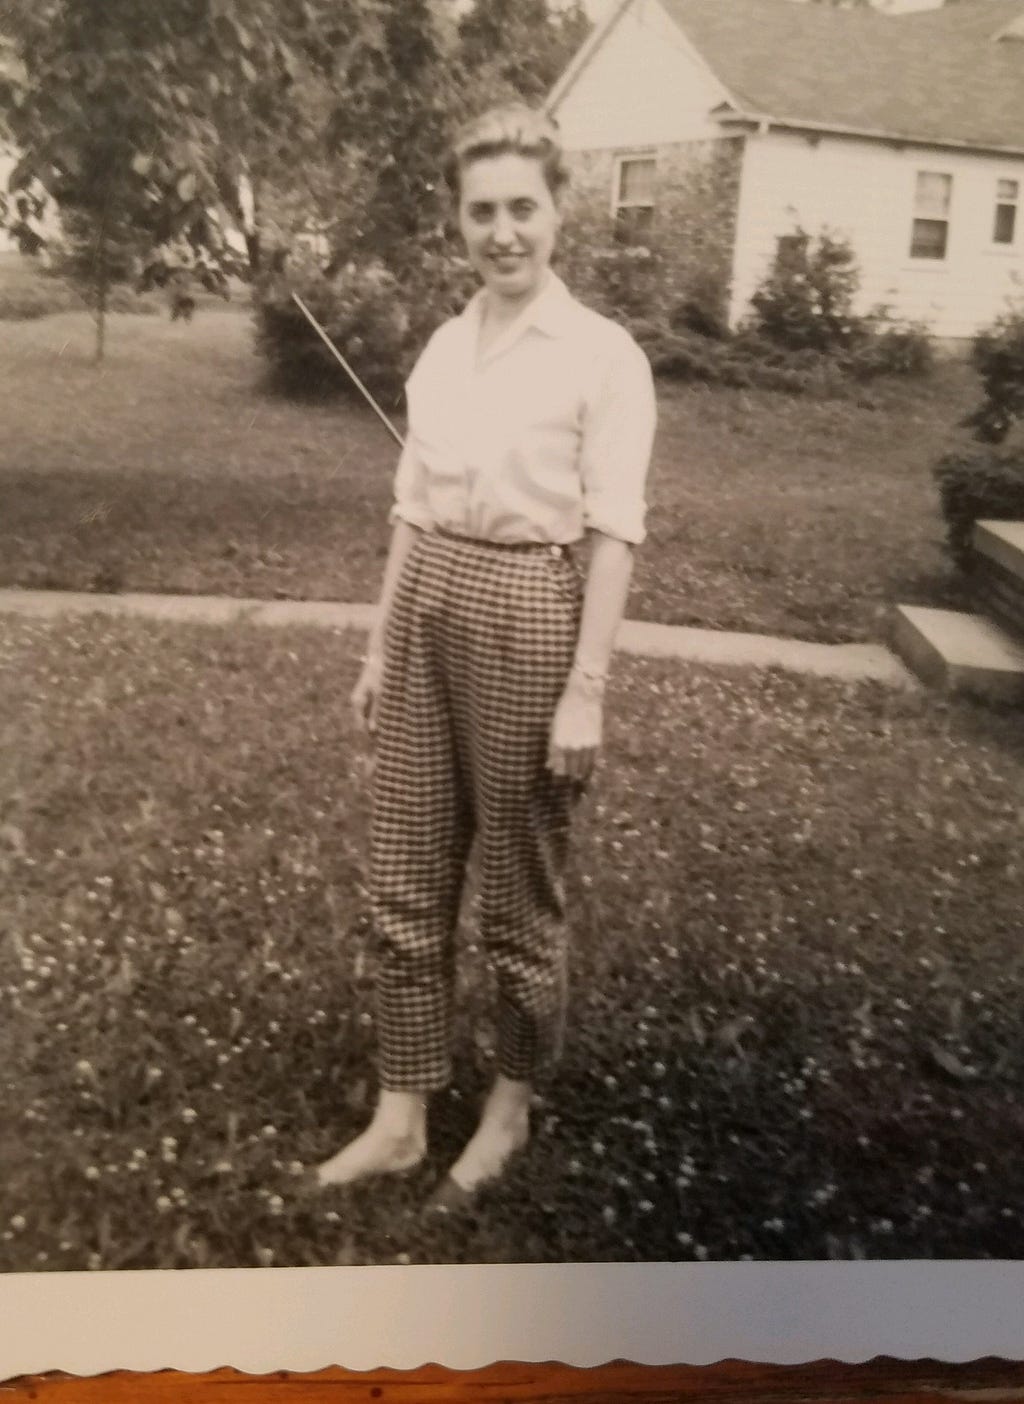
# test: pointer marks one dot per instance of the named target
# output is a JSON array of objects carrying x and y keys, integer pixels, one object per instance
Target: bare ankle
[
  {"x": 508, "y": 1102},
  {"x": 401, "y": 1115}
]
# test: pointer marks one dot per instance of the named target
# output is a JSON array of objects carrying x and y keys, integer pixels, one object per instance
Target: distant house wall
[
  {"x": 645, "y": 92},
  {"x": 644, "y": 85},
  {"x": 696, "y": 198},
  {"x": 865, "y": 190}
]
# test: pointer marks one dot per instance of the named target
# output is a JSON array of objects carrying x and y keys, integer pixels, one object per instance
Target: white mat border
[{"x": 304, "y": 1319}]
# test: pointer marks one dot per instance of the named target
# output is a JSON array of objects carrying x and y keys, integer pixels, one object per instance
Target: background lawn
[
  {"x": 170, "y": 469},
  {"x": 797, "y": 971}
]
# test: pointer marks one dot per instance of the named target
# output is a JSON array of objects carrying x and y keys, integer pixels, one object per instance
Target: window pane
[
  {"x": 1006, "y": 220},
  {"x": 1007, "y": 189},
  {"x": 932, "y": 197},
  {"x": 929, "y": 238},
  {"x": 636, "y": 183}
]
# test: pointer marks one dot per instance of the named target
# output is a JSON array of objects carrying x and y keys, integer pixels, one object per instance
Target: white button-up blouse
[{"x": 545, "y": 435}]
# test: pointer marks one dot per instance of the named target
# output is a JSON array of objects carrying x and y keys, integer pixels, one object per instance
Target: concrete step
[
  {"x": 1002, "y": 542},
  {"x": 960, "y": 652},
  {"x": 997, "y": 573}
]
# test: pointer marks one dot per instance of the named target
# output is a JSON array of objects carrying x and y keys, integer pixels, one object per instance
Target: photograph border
[{"x": 466, "y": 1317}]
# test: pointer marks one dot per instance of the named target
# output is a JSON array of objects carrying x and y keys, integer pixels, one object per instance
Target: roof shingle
[{"x": 939, "y": 75}]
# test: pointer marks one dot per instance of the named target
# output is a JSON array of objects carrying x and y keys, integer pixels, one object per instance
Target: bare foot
[
  {"x": 395, "y": 1140},
  {"x": 504, "y": 1129},
  {"x": 378, "y": 1151}
]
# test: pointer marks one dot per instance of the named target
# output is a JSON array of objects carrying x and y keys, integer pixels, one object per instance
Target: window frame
[
  {"x": 618, "y": 204},
  {"x": 1014, "y": 205},
  {"x": 917, "y": 218}
]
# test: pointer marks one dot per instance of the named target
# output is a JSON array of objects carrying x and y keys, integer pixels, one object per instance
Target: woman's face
[{"x": 509, "y": 219}]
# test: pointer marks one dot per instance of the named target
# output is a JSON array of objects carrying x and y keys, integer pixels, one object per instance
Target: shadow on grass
[{"x": 291, "y": 536}]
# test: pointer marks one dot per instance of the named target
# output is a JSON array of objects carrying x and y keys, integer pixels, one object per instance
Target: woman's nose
[{"x": 502, "y": 231}]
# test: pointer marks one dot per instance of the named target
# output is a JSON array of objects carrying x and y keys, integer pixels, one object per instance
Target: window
[
  {"x": 634, "y": 196},
  {"x": 1007, "y": 196},
  {"x": 932, "y": 199}
]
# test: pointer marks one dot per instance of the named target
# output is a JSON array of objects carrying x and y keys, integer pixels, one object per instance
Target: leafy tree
[
  {"x": 388, "y": 133},
  {"x": 157, "y": 125},
  {"x": 81, "y": 117},
  {"x": 519, "y": 47},
  {"x": 163, "y": 131}
]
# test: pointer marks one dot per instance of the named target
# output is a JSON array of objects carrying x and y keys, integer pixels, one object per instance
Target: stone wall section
[{"x": 693, "y": 228}]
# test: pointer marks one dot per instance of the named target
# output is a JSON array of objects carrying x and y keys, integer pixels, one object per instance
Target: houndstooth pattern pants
[{"x": 479, "y": 644}]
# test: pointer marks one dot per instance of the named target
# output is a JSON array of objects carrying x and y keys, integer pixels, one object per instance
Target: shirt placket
[{"x": 480, "y": 370}]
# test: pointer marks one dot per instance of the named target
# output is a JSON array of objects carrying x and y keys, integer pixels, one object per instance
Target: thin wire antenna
[{"x": 347, "y": 369}]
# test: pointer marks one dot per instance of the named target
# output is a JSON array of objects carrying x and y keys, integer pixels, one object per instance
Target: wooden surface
[{"x": 730, "y": 1382}]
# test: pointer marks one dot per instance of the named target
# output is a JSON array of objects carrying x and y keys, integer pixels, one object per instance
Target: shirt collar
[{"x": 549, "y": 312}]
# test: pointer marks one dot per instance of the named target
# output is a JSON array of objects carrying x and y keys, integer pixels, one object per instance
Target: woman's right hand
[{"x": 366, "y": 693}]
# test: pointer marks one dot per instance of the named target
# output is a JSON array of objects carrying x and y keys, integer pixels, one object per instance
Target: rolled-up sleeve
[
  {"x": 410, "y": 504},
  {"x": 620, "y": 417},
  {"x": 410, "y": 491}
]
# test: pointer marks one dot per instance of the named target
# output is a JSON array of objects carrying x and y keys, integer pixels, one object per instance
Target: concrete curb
[{"x": 853, "y": 662}]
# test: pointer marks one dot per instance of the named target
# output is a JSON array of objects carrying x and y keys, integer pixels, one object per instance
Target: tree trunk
[
  {"x": 102, "y": 281},
  {"x": 101, "y": 319}
]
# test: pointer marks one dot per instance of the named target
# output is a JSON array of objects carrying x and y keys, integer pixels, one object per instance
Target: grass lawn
[
  {"x": 169, "y": 469},
  {"x": 797, "y": 970}
]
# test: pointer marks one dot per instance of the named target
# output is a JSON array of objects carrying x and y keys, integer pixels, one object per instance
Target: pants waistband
[{"x": 552, "y": 548}]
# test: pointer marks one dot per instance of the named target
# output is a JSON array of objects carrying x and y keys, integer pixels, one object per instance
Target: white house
[{"x": 724, "y": 125}]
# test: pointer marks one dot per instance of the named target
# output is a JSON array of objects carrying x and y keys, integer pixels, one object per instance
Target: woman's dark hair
[{"x": 510, "y": 130}]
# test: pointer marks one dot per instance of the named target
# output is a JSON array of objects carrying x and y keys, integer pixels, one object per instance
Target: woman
[{"x": 531, "y": 420}]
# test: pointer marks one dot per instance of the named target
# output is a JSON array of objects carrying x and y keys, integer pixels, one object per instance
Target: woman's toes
[
  {"x": 372, "y": 1153},
  {"x": 487, "y": 1155}
]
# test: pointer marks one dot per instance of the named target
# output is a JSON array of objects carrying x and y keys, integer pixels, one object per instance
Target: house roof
[{"x": 933, "y": 75}]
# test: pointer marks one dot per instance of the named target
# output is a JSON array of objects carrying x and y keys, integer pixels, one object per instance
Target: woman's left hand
[{"x": 576, "y": 730}]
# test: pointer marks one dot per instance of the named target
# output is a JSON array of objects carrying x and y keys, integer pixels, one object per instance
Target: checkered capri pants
[{"x": 479, "y": 644}]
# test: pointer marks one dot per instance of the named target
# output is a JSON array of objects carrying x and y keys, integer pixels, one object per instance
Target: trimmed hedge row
[
  {"x": 975, "y": 484},
  {"x": 380, "y": 322}
]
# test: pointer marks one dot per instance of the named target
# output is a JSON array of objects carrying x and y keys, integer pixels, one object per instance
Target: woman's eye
[{"x": 523, "y": 209}]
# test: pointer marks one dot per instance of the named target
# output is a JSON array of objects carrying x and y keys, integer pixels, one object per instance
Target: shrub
[
  {"x": 620, "y": 280},
  {"x": 127, "y": 300},
  {"x": 888, "y": 345},
  {"x": 803, "y": 338},
  {"x": 25, "y": 302},
  {"x": 436, "y": 286},
  {"x": 998, "y": 356},
  {"x": 805, "y": 304},
  {"x": 377, "y": 322},
  {"x": 742, "y": 361},
  {"x": 806, "y": 300},
  {"x": 360, "y": 309},
  {"x": 31, "y": 291},
  {"x": 703, "y": 307},
  {"x": 975, "y": 484}
]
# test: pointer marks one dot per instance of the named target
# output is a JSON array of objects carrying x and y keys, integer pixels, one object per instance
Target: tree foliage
[
  {"x": 519, "y": 47},
  {"x": 161, "y": 122},
  {"x": 193, "y": 138}
]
